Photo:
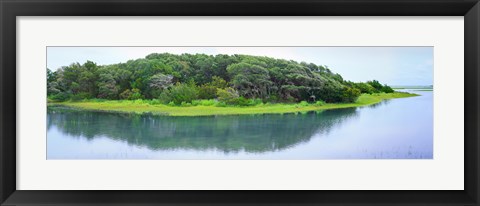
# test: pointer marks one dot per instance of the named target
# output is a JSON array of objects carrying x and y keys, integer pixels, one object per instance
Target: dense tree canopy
[{"x": 186, "y": 77}]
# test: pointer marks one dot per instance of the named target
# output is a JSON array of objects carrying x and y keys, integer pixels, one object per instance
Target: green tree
[
  {"x": 251, "y": 81},
  {"x": 375, "y": 84},
  {"x": 107, "y": 87},
  {"x": 227, "y": 95},
  {"x": 364, "y": 87},
  {"x": 350, "y": 94},
  {"x": 184, "y": 77},
  {"x": 209, "y": 90},
  {"x": 183, "y": 93},
  {"x": 159, "y": 82}
]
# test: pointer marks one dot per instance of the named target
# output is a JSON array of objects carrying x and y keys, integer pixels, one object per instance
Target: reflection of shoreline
[
  {"x": 250, "y": 133},
  {"x": 384, "y": 102}
]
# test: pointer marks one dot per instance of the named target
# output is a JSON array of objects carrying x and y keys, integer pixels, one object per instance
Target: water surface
[{"x": 394, "y": 129}]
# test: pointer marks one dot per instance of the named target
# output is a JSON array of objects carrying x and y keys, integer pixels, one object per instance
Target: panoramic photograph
[{"x": 239, "y": 103}]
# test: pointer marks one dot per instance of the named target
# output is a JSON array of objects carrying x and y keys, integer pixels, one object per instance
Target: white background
[{"x": 445, "y": 171}]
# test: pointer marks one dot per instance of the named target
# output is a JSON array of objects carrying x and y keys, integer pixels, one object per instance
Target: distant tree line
[{"x": 233, "y": 79}]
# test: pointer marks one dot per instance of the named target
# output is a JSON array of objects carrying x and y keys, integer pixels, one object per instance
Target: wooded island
[{"x": 223, "y": 84}]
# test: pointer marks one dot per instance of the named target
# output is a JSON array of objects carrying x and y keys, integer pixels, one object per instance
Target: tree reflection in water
[{"x": 250, "y": 133}]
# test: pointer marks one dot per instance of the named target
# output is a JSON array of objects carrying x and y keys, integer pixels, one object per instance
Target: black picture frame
[{"x": 10, "y": 9}]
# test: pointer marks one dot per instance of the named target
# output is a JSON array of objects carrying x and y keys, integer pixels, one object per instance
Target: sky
[{"x": 390, "y": 65}]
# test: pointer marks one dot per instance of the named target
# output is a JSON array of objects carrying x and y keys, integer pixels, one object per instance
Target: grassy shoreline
[{"x": 132, "y": 106}]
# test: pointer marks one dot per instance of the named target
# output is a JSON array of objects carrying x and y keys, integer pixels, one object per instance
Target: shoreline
[{"x": 138, "y": 107}]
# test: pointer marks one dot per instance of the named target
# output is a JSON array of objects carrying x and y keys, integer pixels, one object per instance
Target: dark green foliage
[
  {"x": 62, "y": 96},
  {"x": 81, "y": 96},
  {"x": 375, "y": 84},
  {"x": 228, "y": 95},
  {"x": 350, "y": 94},
  {"x": 379, "y": 87},
  {"x": 186, "y": 77},
  {"x": 250, "y": 80},
  {"x": 207, "y": 92},
  {"x": 387, "y": 89}
]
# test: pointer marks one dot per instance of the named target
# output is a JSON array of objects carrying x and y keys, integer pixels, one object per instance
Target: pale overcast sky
[{"x": 390, "y": 65}]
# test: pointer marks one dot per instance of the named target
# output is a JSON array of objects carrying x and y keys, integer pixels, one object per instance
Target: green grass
[{"x": 149, "y": 106}]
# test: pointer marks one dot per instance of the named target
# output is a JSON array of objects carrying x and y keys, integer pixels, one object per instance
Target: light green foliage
[
  {"x": 320, "y": 103},
  {"x": 221, "y": 108},
  {"x": 204, "y": 102},
  {"x": 185, "y": 104},
  {"x": 303, "y": 103}
]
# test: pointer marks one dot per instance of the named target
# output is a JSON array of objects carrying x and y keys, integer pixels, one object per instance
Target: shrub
[
  {"x": 207, "y": 92},
  {"x": 387, "y": 89},
  {"x": 254, "y": 102},
  {"x": 227, "y": 95},
  {"x": 218, "y": 82},
  {"x": 350, "y": 94},
  {"x": 203, "y": 102},
  {"x": 208, "y": 102},
  {"x": 320, "y": 103},
  {"x": 165, "y": 97},
  {"x": 131, "y": 94},
  {"x": 272, "y": 98},
  {"x": 185, "y": 104},
  {"x": 195, "y": 102},
  {"x": 303, "y": 103},
  {"x": 125, "y": 94},
  {"x": 375, "y": 84},
  {"x": 141, "y": 101},
  {"x": 365, "y": 88},
  {"x": 81, "y": 96},
  {"x": 220, "y": 104},
  {"x": 60, "y": 97},
  {"x": 154, "y": 101},
  {"x": 183, "y": 93},
  {"x": 97, "y": 100},
  {"x": 290, "y": 99},
  {"x": 239, "y": 101},
  {"x": 136, "y": 94}
]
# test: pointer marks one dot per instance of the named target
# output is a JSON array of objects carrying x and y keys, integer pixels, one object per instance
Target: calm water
[{"x": 398, "y": 129}]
